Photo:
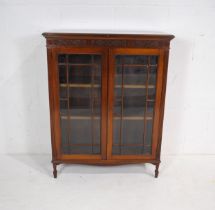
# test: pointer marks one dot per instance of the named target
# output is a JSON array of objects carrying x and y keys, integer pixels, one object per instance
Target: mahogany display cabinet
[{"x": 107, "y": 94}]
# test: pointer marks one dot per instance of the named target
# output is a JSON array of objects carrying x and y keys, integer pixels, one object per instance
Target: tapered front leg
[
  {"x": 156, "y": 170},
  {"x": 55, "y": 170}
]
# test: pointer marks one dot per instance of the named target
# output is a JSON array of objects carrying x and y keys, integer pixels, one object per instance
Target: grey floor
[{"x": 185, "y": 183}]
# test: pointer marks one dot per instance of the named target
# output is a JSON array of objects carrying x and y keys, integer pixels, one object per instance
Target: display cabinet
[{"x": 106, "y": 94}]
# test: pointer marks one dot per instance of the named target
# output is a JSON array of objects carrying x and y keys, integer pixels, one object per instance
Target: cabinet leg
[
  {"x": 55, "y": 170},
  {"x": 156, "y": 170}
]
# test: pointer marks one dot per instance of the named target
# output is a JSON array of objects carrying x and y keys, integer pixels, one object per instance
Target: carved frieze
[{"x": 51, "y": 43}]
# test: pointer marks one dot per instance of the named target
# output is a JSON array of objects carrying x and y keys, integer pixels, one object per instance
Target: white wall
[{"x": 189, "y": 125}]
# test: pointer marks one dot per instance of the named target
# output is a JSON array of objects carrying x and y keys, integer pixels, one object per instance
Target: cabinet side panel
[
  {"x": 157, "y": 104},
  {"x": 52, "y": 104},
  {"x": 162, "y": 105}
]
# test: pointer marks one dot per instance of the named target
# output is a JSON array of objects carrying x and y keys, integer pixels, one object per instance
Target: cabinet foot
[
  {"x": 156, "y": 170},
  {"x": 55, "y": 170}
]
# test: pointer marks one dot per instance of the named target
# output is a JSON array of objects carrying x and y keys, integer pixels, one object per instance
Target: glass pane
[
  {"x": 134, "y": 101},
  {"x": 80, "y": 103}
]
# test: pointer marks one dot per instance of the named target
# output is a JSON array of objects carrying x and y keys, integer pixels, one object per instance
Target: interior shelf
[
  {"x": 130, "y": 145},
  {"x": 96, "y": 64},
  {"x": 65, "y": 117},
  {"x": 132, "y": 118},
  {"x": 80, "y": 85},
  {"x": 80, "y": 117},
  {"x": 78, "y": 64},
  {"x": 136, "y": 65},
  {"x": 134, "y": 86},
  {"x": 96, "y": 86}
]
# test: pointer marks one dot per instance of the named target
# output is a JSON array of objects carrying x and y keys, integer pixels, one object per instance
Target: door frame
[
  {"x": 157, "y": 114},
  {"x": 55, "y": 102}
]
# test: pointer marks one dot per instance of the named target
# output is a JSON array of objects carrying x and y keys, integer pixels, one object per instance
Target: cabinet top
[
  {"x": 56, "y": 40},
  {"x": 58, "y": 35}
]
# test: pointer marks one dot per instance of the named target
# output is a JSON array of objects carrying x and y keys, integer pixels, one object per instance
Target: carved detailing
[
  {"x": 51, "y": 43},
  {"x": 67, "y": 42},
  {"x": 146, "y": 44},
  {"x": 108, "y": 43}
]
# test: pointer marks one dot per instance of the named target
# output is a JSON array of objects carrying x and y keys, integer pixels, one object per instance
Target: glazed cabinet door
[
  {"x": 80, "y": 99},
  {"x": 135, "y": 81}
]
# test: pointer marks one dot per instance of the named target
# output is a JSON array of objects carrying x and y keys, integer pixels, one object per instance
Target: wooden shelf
[
  {"x": 132, "y": 118},
  {"x": 115, "y": 145},
  {"x": 63, "y": 99},
  {"x": 97, "y": 86},
  {"x": 131, "y": 74},
  {"x": 80, "y": 85},
  {"x": 130, "y": 145},
  {"x": 78, "y": 64},
  {"x": 134, "y": 86},
  {"x": 82, "y": 145},
  {"x": 79, "y": 117},
  {"x": 136, "y": 65},
  {"x": 98, "y": 118}
]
